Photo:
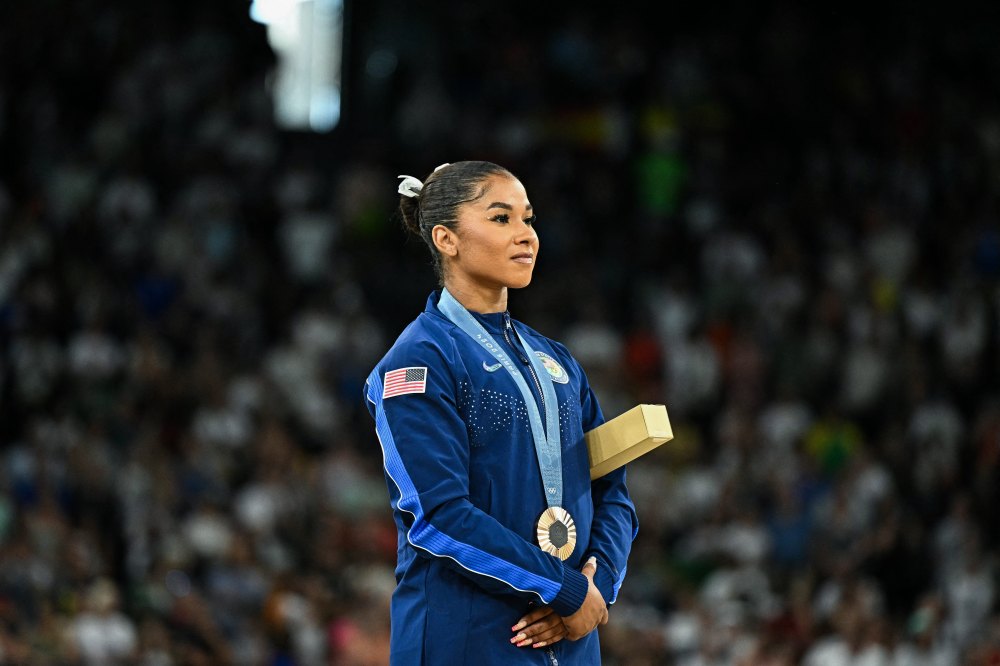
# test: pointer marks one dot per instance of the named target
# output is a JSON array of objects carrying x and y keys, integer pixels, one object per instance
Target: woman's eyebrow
[{"x": 505, "y": 206}]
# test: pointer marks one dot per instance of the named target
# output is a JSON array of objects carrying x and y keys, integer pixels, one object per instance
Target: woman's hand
[
  {"x": 593, "y": 611},
  {"x": 539, "y": 628}
]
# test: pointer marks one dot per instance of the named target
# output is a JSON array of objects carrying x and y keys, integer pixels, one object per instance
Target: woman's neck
[{"x": 477, "y": 298}]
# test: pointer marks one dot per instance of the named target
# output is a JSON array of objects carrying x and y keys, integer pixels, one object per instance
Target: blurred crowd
[{"x": 784, "y": 225}]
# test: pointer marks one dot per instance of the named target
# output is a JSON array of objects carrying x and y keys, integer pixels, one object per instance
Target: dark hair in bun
[{"x": 446, "y": 188}]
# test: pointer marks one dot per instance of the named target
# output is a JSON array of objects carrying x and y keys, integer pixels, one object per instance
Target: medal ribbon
[{"x": 548, "y": 449}]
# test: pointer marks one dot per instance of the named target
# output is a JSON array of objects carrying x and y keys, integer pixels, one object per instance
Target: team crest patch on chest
[{"x": 556, "y": 371}]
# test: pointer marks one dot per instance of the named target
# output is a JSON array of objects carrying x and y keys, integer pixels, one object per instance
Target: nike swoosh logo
[{"x": 492, "y": 368}]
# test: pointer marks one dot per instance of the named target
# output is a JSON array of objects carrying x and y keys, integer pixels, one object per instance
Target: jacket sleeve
[
  {"x": 425, "y": 451},
  {"x": 615, "y": 523}
]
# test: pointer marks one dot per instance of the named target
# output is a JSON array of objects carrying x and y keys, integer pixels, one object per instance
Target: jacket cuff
[
  {"x": 604, "y": 581},
  {"x": 572, "y": 593}
]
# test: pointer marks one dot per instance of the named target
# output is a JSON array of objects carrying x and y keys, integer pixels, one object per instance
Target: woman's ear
[{"x": 445, "y": 240}]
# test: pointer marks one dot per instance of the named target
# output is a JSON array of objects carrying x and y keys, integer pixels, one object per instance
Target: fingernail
[
  {"x": 518, "y": 626},
  {"x": 540, "y": 644},
  {"x": 523, "y": 643}
]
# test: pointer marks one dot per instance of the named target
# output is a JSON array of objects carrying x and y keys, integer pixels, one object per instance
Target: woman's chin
[{"x": 519, "y": 283}]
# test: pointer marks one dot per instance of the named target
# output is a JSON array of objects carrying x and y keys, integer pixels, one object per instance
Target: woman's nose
[{"x": 525, "y": 233}]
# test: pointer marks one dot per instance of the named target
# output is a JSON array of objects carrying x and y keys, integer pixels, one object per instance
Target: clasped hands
[{"x": 543, "y": 626}]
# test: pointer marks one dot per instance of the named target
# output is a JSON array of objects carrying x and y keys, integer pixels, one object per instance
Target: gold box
[{"x": 624, "y": 438}]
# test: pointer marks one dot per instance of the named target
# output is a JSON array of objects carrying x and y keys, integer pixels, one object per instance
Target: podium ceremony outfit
[{"x": 467, "y": 485}]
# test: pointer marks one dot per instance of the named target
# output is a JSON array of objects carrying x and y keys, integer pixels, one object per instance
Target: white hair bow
[{"x": 410, "y": 186}]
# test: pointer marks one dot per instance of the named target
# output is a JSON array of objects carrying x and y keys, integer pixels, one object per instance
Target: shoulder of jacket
[{"x": 424, "y": 340}]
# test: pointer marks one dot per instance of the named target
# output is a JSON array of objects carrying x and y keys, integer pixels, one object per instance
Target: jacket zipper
[{"x": 510, "y": 327}]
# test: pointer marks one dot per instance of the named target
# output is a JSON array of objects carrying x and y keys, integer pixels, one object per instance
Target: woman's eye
[
  {"x": 530, "y": 221},
  {"x": 502, "y": 217}
]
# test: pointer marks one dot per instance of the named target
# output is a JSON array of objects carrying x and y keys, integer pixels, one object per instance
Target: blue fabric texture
[{"x": 466, "y": 492}]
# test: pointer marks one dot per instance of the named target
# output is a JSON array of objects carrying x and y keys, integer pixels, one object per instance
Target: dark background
[{"x": 780, "y": 221}]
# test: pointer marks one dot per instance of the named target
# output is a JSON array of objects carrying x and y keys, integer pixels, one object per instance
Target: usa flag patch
[{"x": 403, "y": 381}]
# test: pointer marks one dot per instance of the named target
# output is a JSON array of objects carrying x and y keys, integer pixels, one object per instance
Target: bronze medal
[{"x": 556, "y": 532}]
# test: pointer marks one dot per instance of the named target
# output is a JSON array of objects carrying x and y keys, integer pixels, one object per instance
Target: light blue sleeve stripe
[
  {"x": 427, "y": 537},
  {"x": 617, "y": 585}
]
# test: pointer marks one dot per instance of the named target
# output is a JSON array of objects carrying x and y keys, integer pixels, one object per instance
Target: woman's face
[{"x": 496, "y": 243}]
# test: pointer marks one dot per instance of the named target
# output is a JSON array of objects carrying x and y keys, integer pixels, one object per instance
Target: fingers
[
  {"x": 590, "y": 567},
  {"x": 553, "y": 635},
  {"x": 542, "y": 625},
  {"x": 532, "y": 617},
  {"x": 548, "y": 636},
  {"x": 541, "y": 633},
  {"x": 604, "y": 620}
]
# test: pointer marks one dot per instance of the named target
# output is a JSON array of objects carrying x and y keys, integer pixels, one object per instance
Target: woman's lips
[{"x": 524, "y": 258}]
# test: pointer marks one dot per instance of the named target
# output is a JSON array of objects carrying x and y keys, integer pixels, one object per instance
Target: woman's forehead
[{"x": 503, "y": 189}]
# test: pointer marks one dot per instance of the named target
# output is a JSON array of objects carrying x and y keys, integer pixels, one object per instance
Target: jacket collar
[{"x": 492, "y": 321}]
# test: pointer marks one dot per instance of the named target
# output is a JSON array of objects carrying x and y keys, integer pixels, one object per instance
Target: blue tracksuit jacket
[{"x": 465, "y": 489}]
